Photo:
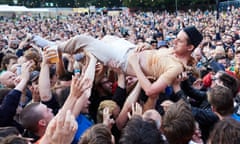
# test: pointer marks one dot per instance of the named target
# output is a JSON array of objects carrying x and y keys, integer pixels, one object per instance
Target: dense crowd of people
[{"x": 143, "y": 77}]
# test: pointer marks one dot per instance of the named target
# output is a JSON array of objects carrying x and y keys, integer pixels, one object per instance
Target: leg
[
  {"x": 41, "y": 42},
  {"x": 74, "y": 44}
]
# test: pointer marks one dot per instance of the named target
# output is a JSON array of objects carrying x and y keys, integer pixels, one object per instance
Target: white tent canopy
[{"x": 7, "y": 8}]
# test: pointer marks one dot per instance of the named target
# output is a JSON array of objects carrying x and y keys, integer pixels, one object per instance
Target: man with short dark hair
[
  {"x": 178, "y": 123},
  {"x": 138, "y": 131},
  {"x": 221, "y": 100},
  {"x": 226, "y": 131},
  {"x": 7, "y": 61},
  {"x": 35, "y": 118}
]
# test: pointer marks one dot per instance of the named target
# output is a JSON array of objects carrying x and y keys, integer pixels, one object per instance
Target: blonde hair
[{"x": 106, "y": 103}]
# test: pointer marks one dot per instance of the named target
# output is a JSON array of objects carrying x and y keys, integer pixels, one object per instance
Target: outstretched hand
[
  {"x": 115, "y": 66},
  {"x": 166, "y": 104},
  {"x": 61, "y": 129},
  {"x": 136, "y": 110},
  {"x": 49, "y": 53},
  {"x": 106, "y": 118},
  {"x": 25, "y": 70},
  {"x": 79, "y": 85},
  {"x": 142, "y": 46}
]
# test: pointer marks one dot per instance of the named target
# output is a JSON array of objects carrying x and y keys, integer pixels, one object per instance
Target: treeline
[{"x": 138, "y": 4}]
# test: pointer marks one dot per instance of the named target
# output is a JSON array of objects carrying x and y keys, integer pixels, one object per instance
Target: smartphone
[{"x": 19, "y": 70}]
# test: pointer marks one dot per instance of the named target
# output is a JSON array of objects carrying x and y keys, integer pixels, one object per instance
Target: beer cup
[{"x": 53, "y": 54}]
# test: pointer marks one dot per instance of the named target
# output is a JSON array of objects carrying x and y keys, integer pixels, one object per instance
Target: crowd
[{"x": 156, "y": 78}]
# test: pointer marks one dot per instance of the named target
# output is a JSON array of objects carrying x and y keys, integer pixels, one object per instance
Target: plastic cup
[{"x": 53, "y": 54}]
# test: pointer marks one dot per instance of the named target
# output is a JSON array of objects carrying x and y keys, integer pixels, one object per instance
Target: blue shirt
[
  {"x": 83, "y": 124},
  {"x": 236, "y": 117}
]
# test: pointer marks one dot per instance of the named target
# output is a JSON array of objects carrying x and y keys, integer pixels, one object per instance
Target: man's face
[
  {"x": 14, "y": 44},
  {"x": 8, "y": 78},
  {"x": 11, "y": 63},
  {"x": 223, "y": 62},
  {"x": 237, "y": 43},
  {"x": 46, "y": 112},
  {"x": 53, "y": 80},
  {"x": 230, "y": 53},
  {"x": 2, "y": 44},
  {"x": 228, "y": 39},
  {"x": 208, "y": 39},
  {"x": 197, "y": 54},
  {"x": 181, "y": 45},
  {"x": 106, "y": 85},
  {"x": 130, "y": 81},
  {"x": 237, "y": 58},
  {"x": 216, "y": 80}
]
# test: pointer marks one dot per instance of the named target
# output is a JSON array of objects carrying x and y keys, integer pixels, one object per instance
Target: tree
[
  {"x": 6, "y": 1},
  {"x": 139, "y": 4},
  {"x": 166, "y": 4}
]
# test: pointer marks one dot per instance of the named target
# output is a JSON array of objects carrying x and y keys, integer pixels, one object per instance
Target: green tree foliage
[
  {"x": 6, "y": 1},
  {"x": 138, "y": 4},
  {"x": 168, "y": 4}
]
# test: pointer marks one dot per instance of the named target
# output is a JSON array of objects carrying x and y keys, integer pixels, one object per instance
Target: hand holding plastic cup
[{"x": 52, "y": 54}]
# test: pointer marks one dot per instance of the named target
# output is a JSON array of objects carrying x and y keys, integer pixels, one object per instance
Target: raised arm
[
  {"x": 10, "y": 102},
  {"x": 120, "y": 93},
  {"x": 77, "y": 97},
  {"x": 132, "y": 98},
  {"x": 44, "y": 79},
  {"x": 25, "y": 75},
  {"x": 151, "y": 89},
  {"x": 89, "y": 73},
  {"x": 61, "y": 129}
]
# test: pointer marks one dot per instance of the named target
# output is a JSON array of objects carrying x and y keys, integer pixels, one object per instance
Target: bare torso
[{"x": 156, "y": 63}]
